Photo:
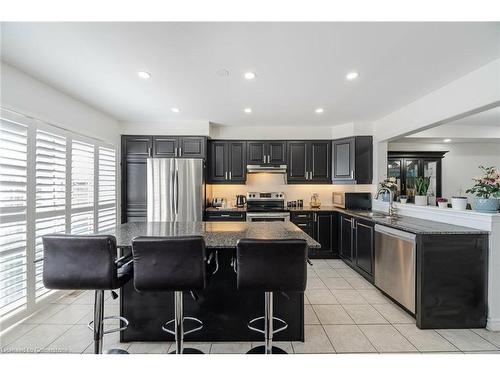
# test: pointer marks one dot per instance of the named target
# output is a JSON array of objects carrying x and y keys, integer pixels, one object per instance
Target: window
[
  {"x": 51, "y": 181},
  {"x": 107, "y": 188},
  {"x": 13, "y": 216},
  {"x": 82, "y": 188},
  {"x": 50, "y": 210}
]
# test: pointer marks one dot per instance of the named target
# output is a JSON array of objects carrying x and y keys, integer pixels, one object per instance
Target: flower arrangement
[
  {"x": 487, "y": 185},
  {"x": 443, "y": 200},
  {"x": 390, "y": 183}
]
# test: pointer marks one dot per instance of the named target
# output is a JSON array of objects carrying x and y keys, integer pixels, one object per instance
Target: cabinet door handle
[
  {"x": 352, "y": 174},
  {"x": 175, "y": 151},
  {"x": 150, "y": 151},
  {"x": 230, "y": 175},
  {"x": 225, "y": 175},
  {"x": 180, "y": 151}
]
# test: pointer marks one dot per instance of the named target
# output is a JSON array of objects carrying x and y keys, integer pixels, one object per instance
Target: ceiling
[
  {"x": 481, "y": 127},
  {"x": 299, "y": 67}
]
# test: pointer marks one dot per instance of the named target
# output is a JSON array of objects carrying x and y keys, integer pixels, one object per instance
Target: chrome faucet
[{"x": 392, "y": 209}]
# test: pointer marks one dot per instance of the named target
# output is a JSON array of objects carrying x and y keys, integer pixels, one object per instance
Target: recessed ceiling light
[
  {"x": 352, "y": 76},
  {"x": 144, "y": 75},
  {"x": 319, "y": 110},
  {"x": 175, "y": 110},
  {"x": 249, "y": 75},
  {"x": 446, "y": 140},
  {"x": 247, "y": 110}
]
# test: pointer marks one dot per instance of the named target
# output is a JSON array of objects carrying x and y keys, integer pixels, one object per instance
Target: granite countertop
[
  {"x": 216, "y": 234},
  {"x": 411, "y": 224}
]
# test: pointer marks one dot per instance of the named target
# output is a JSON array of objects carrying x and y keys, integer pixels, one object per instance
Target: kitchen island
[{"x": 224, "y": 310}]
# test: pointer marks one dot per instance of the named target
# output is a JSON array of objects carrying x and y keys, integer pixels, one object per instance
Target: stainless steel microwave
[{"x": 352, "y": 201}]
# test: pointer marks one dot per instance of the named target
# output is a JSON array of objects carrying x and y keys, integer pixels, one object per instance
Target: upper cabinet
[
  {"x": 266, "y": 152},
  {"x": 227, "y": 162},
  {"x": 309, "y": 162},
  {"x": 179, "y": 147},
  {"x": 353, "y": 160}
]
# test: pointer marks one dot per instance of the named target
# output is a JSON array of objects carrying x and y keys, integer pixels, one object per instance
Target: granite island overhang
[{"x": 224, "y": 310}]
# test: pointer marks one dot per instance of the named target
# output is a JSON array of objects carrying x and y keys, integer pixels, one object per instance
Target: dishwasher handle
[{"x": 395, "y": 233}]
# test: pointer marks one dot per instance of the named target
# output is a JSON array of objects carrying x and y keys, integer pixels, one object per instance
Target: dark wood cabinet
[
  {"x": 356, "y": 242},
  {"x": 225, "y": 216},
  {"x": 364, "y": 238},
  {"x": 227, "y": 162},
  {"x": 135, "y": 151},
  {"x": 179, "y": 147},
  {"x": 266, "y": 152},
  {"x": 309, "y": 162},
  {"x": 321, "y": 226},
  {"x": 353, "y": 160},
  {"x": 405, "y": 167},
  {"x": 346, "y": 238}
]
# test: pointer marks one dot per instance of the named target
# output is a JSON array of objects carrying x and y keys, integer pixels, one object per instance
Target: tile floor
[{"x": 343, "y": 314}]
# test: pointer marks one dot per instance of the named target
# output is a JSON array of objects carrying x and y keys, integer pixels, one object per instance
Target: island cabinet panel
[
  {"x": 353, "y": 160},
  {"x": 227, "y": 162}
]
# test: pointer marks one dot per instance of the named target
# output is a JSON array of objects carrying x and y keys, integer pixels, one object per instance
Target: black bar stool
[
  {"x": 87, "y": 262},
  {"x": 271, "y": 266},
  {"x": 171, "y": 264}
]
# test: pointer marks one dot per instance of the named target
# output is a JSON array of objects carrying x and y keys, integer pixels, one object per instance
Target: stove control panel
[{"x": 266, "y": 196}]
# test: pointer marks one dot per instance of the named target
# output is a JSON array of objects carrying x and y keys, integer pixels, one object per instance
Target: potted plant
[
  {"x": 486, "y": 189},
  {"x": 421, "y": 187},
  {"x": 403, "y": 198},
  {"x": 459, "y": 202},
  {"x": 391, "y": 184},
  {"x": 442, "y": 202}
]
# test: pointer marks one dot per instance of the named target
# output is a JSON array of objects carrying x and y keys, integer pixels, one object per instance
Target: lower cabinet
[
  {"x": 322, "y": 227},
  {"x": 356, "y": 243},
  {"x": 225, "y": 216}
]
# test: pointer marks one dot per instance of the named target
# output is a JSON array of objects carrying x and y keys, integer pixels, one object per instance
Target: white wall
[
  {"x": 165, "y": 128},
  {"x": 460, "y": 163},
  {"x": 25, "y": 94}
]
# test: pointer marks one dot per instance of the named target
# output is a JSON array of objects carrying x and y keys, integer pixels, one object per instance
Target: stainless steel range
[{"x": 267, "y": 207}]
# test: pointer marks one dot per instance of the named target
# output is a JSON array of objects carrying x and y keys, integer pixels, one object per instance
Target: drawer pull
[
  {"x": 303, "y": 215},
  {"x": 302, "y": 225}
]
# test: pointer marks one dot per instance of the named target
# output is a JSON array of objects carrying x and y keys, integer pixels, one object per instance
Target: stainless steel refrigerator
[{"x": 175, "y": 189}]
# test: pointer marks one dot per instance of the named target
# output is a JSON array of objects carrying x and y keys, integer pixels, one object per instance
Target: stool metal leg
[
  {"x": 268, "y": 319},
  {"x": 179, "y": 324},
  {"x": 98, "y": 321}
]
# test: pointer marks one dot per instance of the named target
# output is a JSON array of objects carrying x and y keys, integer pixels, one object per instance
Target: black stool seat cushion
[
  {"x": 169, "y": 263},
  {"x": 272, "y": 265},
  {"x": 84, "y": 262}
]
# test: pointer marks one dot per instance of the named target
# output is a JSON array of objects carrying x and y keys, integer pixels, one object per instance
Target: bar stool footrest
[
  {"x": 120, "y": 318},
  {"x": 117, "y": 351},
  {"x": 189, "y": 351},
  {"x": 190, "y": 318},
  {"x": 249, "y": 325}
]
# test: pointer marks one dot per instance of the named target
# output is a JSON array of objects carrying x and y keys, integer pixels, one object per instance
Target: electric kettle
[{"x": 241, "y": 200}]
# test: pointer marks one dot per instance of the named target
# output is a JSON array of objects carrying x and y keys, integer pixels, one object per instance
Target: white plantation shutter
[
  {"x": 82, "y": 188},
  {"x": 50, "y": 210},
  {"x": 13, "y": 216},
  {"x": 107, "y": 188}
]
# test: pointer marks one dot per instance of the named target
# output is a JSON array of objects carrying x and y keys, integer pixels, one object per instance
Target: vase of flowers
[
  {"x": 421, "y": 187},
  {"x": 391, "y": 184},
  {"x": 486, "y": 189}
]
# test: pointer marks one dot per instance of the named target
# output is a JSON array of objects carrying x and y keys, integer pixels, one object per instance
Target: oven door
[{"x": 268, "y": 216}]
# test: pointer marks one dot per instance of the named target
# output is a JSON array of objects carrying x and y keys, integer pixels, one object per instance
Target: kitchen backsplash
[{"x": 276, "y": 182}]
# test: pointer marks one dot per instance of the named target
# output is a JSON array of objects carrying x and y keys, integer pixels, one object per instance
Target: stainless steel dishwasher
[{"x": 395, "y": 260}]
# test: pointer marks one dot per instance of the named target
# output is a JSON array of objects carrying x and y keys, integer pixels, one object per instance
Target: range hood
[{"x": 266, "y": 168}]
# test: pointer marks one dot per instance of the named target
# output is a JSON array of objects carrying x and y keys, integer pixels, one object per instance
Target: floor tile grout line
[
  {"x": 484, "y": 338},
  {"x": 452, "y": 344}
]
